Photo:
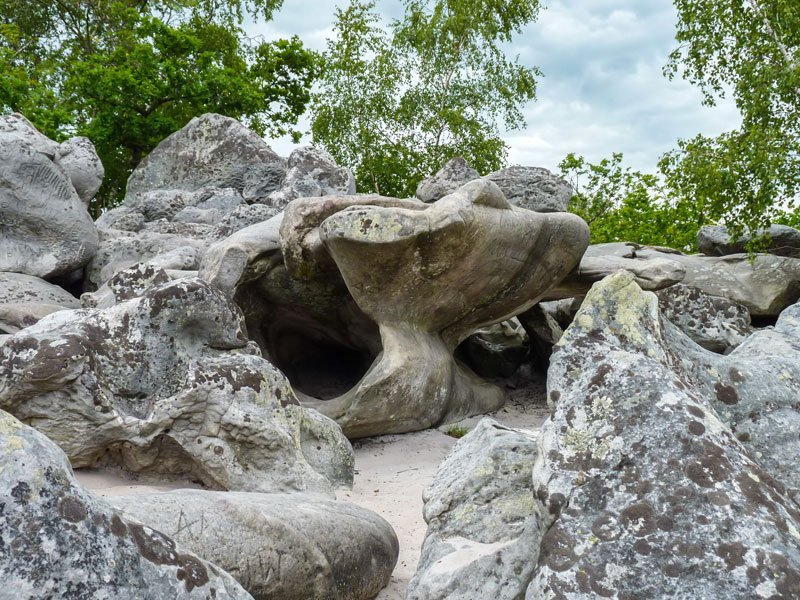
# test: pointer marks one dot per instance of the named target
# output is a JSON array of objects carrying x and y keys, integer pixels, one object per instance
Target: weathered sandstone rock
[
  {"x": 59, "y": 541},
  {"x": 651, "y": 489},
  {"x": 714, "y": 240},
  {"x": 455, "y": 173},
  {"x": 533, "y": 188},
  {"x": 480, "y": 513},
  {"x": 164, "y": 383},
  {"x": 426, "y": 276},
  {"x": 278, "y": 546},
  {"x": 45, "y": 230}
]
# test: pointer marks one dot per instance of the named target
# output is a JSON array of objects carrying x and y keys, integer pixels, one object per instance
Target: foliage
[
  {"x": 457, "y": 431},
  {"x": 127, "y": 74},
  {"x": 623, "y": 205},
  {"x": 751, "y": 50},
  {"x": 396, "y": 104}
]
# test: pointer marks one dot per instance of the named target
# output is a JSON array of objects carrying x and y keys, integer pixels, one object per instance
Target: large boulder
[
  {"x": 650, "y": 487},
  {"x": 713, "y": 322},
  {"x": 25, "y": 299},
  {"x": 312, "y": 173},
  {"x": 120, "y": 250},
  {"x": 479, "y": 509},
  {"x": 59, "y": 541},
  {"x": 166, "y": 383},
  {"x": 765, "y": 285},
  {"x": 533, "y": 188},
  {"x": 78, "y": 157},
  {"x": 455, "y": 173},
  {"x": 714, "y": 240},
  {"x": 210, "y": 151},
  {"x": 45, "y": 230},
  {"x": 429, "y": 275},
  {"x": 278, "y": 546}
]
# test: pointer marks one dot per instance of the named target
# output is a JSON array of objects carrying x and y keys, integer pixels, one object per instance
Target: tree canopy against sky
[
  {"x": 396, "y": 104},
  {"x": 128, "y": 73},
  {"x": 749, "y": 49}
]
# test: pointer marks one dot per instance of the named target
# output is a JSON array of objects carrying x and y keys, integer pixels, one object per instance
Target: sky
[{"x": 603, "y": 90}]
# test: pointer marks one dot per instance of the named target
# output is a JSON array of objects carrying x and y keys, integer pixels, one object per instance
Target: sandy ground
[{"x": 391, "y": 472}]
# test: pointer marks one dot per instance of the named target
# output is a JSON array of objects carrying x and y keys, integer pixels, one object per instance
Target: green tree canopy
[
  {"x": 397, "y": 103},
  {"x": 624, "y": 205},
  {"x": 128, "y": 73},
  {"x": 751, "y": 50}
]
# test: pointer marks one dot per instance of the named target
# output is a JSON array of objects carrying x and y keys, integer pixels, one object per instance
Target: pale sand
[{"x": 391, "y": 472}]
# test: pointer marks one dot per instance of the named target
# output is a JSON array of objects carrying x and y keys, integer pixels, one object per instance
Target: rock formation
[
  {"x": 479, "y": 510},
  {"x": 664, "y": 471},
  {"x": 765, "y": 285},
  {"x": 165, "y": 383},
  {"x": 714, "y": 240},
  {"x": 59, "y": 541},
  {"x": 533, "y": 188},
  {"x": 429, "y": 275},
  {"x": 200, "y": 185},
  {"x": 632, "y": 517},
  {"x": 45, "y": 230},
  {"x": 278, "y": 546}
]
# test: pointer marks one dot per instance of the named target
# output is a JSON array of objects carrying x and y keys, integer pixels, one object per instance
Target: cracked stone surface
[{"x": 650, "y": 487}]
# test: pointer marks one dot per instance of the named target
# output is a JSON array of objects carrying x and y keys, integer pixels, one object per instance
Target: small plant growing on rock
[{"x": 457, "y": 431}]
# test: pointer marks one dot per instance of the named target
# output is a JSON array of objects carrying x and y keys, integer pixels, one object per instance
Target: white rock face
[
  {"x": 534, "y": 188},
  {"x": 479, "y": 510},
  {"x": 210, "y": 151},
  {"x": 78, "y": 157}
]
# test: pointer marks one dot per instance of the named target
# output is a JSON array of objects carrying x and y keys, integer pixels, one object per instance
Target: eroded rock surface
[
  {"x": 312, "y": 173},
  {"x": 480, "y": 513},
  {"x": 59, "y": 541},
  {"x": 651, "y": 487},
  {"x": 210, "y": 151},
  {"x": 765, "y": 286},
  {"x": 426, "y": 276},
  {"x": 45, "y": 230},
  {"x": 713, "y": 322},
  {"x": 165, "y": 383},
  {"x": 278, "y": 546},
  {"x": 533, "y": 188}
]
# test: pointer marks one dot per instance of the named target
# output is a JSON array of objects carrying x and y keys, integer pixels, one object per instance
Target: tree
[
  {"x": 623, "y": 205},
  {"x": 751, "y": 50},
  {"x": 396, "y": 103},
  {"x": 128, "y": 73}
]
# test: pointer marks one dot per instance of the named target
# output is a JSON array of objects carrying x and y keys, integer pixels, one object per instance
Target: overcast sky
[{"x": 603, "y": 90}]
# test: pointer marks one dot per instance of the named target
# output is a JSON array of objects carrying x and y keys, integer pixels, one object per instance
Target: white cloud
[{"x": 603, "y": 89}]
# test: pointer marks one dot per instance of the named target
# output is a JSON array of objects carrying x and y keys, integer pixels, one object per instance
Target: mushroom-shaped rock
[
  {"x": 165, "y": 383},
  {"x": 60, "y": 541},
  {"x": 278, "y": 546},
  {"x": 429, "y": 275}
]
